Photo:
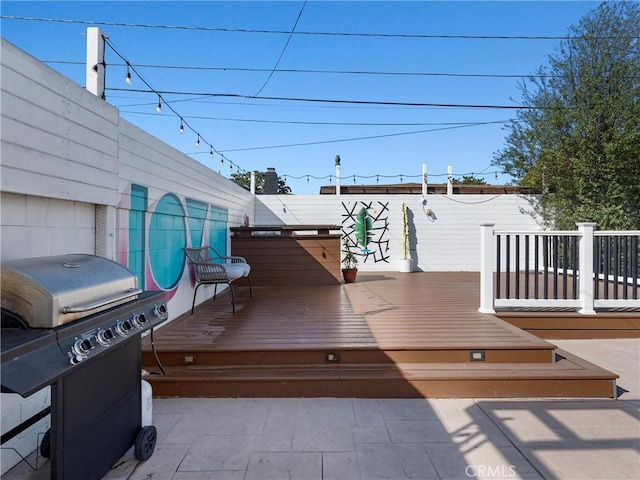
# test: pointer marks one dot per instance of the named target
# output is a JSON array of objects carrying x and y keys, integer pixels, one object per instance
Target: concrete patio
[{"x": 328, "y": 438}]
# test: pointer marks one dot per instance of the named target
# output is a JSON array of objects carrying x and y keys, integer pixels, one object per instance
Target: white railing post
[
  {"x": 337, "y": 174},
  {"x": 586, "y": 268},
  {"x": 95, "y": 67},
  {"x": 486, "y": 268},
  {"x": 424, "y": 180}
]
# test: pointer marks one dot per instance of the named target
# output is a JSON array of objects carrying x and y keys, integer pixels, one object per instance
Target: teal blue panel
[
  {"x": 197, "y": 212},
  {"x": 167, "y": 240},
  {"x": 137, "y": 214},
  {"x": 218, "y": 229}
]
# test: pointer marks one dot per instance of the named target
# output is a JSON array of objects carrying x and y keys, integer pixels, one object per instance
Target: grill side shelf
[{"x": 31, "y": 360}]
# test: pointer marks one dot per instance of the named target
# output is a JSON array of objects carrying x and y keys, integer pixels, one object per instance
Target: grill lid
[{"x": 50, "y": 291}]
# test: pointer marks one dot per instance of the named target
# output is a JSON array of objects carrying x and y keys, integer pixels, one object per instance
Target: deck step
[{"x": 570, "y": 376}]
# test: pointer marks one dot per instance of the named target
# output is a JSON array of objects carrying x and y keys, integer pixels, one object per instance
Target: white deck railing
[{"x": 584, "y": 270}]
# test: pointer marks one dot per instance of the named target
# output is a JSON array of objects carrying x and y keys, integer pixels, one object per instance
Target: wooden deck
[{"x": 387, "y": 335}]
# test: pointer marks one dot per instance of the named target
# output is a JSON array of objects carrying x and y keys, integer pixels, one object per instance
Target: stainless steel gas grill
[{"x": 74, "y": 322}]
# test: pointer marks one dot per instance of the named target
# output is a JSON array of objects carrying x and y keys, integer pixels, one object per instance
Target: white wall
[
  {"x": 448, "y": 241},
  {"x": 58, "y": 140}
]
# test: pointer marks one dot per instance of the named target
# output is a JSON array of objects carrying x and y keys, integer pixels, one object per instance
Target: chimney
[{"x": 270, "y": 181}]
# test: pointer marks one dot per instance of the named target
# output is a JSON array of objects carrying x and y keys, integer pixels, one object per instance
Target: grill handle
[{"x": 101, "y": 303}]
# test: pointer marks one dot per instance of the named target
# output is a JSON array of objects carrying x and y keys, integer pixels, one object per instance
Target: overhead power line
[
  {"x": 354, "y": 139},
  {"x": 302, "y": 122},
  {"x": 327, "y": 100},
  {"x": 283, "y": 50},
  {"x": 308, "y": 70},
  {"x": 284, "y": 32}
]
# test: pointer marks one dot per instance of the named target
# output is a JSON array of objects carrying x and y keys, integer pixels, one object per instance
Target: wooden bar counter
[{"x": 290, "y": 254}]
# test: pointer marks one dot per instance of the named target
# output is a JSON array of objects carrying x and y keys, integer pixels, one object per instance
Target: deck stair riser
[{"x": 347, "y": 356}]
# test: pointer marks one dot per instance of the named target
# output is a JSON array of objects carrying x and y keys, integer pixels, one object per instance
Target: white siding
[
  {"x": 58, "y": 140},
  {"x": 450, "y": 241},
  {"x": 40, "y": 227}
]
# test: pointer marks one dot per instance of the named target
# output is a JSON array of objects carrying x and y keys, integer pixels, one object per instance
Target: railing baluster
[
  {"x": 555, "y": 267},
  {"x": 597, "y": 263},
  {"x": 498, "y": 255},
  {"x": 508, "y": 268},
  {"x": 517, "y": 266},
  {"x": 565, "y": 261},
  {"x": 635, "y": 270},
  {"x": 526, "y": 266},
  {"x": 625, "y": 268},
  {"x": 536, "y": 268},
  {"x": 545, "y": 278},
  {"x": 607, "y": 265},
  {"x": 616, "y": 266}
]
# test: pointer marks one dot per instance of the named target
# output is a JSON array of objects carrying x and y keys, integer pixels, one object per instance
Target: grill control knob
[
  {"x": 123, "y": 327},
  {"x": 160, "y": 311},
  {"x": 139, "y": 320},
  {"x": 104, "y": 337},
  {"x": 75, "y": 359},
  {"x": 82, "y": 347}
]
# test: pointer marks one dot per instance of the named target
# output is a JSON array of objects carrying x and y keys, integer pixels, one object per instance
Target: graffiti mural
[
  {"x": 365, "y": 225},
  {"x": 154, "y": 235}
]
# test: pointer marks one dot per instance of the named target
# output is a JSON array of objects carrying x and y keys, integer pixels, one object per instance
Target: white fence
[{"x": 584, "y": 269}]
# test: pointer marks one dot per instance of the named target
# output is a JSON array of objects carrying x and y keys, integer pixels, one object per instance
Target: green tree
[
  {"x": 578, "y": 133},
  {"x": 469, "y": 180},
  {"x": 244, "y": 180}
]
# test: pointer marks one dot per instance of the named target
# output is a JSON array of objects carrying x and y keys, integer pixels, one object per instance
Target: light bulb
[
  {"x": 159, "y": 107},
  {"x": 181, "y": 127},
  {"x": 221, "y": 160},
  {"x": 198, "y": 141},
  {"x": 128, "y": 77},
  {"x": 211, "y": 153}
]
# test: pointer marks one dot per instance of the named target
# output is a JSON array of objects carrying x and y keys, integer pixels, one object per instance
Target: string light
[
  {"x": 401, "y": 177},
  {"x": 127, "y": 79},
  {"x": 183, "y": 124}
]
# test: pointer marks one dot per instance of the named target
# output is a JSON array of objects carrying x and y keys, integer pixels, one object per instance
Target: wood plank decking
[{"x": 388, "y": 334}]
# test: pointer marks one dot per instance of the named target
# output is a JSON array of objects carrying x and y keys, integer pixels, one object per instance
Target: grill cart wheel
[
  {"x": 45, "y": 445},
  {"x": 145, "y": 443}
]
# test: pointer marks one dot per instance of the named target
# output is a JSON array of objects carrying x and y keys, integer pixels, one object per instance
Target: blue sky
[{"x": 234, "y": 47}]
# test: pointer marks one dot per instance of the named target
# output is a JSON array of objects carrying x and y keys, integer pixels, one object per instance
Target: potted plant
[
  {"x": 349, "y": 264},
  {"x": 406, "y": 264}
]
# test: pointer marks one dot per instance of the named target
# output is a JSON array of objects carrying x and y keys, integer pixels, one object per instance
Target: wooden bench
[{"x": 211, "y": 268}]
